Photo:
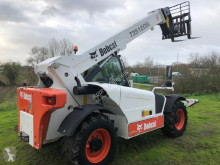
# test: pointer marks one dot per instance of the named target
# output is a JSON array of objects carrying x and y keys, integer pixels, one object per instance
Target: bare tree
[
  {"x": 203, "y": 75},
  {"x": 125, "y": 62},
  {"x": 66, "y": 47},
  {"x": 53, "y": 47},
  {"x": 139, "y": 68},
  {"x": 148, "y": 62},
  {"x": 38, "y": 54},
  {"x": 62, "y": 47},
  {"x": 194, "y": 59}
]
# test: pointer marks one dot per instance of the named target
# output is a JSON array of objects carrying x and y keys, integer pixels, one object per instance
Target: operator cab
[{"x": 110, "y": 70}]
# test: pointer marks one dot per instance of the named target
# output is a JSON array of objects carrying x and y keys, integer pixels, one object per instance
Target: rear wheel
[
  {"x": 93, "y": 143},
  {"x": 175, "y": 122}
]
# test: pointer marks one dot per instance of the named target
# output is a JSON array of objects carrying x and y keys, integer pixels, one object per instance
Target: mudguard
[
  {"x": 74, "y": 118},
  {"x": 159, "y": 102},
  {"x": 171, "y": 99}
]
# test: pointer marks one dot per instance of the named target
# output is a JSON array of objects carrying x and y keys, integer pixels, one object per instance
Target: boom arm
[
  {"x": 60, "y": 71},
  {"x": 116, "y": 43}
]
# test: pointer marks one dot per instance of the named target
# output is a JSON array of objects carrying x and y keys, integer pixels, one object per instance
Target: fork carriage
[{"x": 178, "y": 21}]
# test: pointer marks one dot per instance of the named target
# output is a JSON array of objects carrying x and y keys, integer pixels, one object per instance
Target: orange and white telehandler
[{"x": 88, "y": 100}]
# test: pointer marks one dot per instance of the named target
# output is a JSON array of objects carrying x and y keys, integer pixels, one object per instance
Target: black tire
[
  {"x": 174, "y": 122},
  {"x": 75, "y": 147}
]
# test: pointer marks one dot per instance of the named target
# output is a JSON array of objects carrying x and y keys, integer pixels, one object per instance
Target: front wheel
[
  {"x": 93, "y": 143},
  {"x": 175, "y": 122}
]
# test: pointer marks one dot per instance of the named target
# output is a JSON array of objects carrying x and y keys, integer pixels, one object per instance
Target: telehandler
[{"x": 87, "y": 99}]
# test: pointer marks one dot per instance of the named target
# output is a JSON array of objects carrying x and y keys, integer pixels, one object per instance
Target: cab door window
[{"x": 110, "y": 72}]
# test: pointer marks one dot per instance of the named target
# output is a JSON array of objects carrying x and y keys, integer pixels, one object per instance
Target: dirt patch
[
  {"x": 208, "y": 113},
  {"x": 208, "y": 129},
  {"x": 207, "y": 133}
]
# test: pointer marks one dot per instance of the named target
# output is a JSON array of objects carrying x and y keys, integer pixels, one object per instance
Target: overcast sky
[{"x": 28, "y": 23}]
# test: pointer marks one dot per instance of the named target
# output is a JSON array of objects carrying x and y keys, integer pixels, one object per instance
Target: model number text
[{"x": 139, "y": 29}]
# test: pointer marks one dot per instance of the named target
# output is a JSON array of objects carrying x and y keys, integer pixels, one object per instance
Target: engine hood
[{"x": 113, "y": 91}]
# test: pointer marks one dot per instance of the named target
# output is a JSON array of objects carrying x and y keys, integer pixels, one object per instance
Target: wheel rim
[
  {"x": 98, "y": 145},
  {"x": 179, "y": 124}
]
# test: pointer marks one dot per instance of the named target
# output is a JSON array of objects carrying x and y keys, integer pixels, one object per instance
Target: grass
[
  {"x": 8, "y": 106},
  {"x": 143, "y": 86},
  {"x": 200, "y": 144}
]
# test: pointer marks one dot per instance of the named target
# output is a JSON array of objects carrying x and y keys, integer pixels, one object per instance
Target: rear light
[{"x": 51, "y": 100}]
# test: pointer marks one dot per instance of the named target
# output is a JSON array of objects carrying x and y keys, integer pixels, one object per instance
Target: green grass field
[
  {"x": 143, "y": 86},
  {"x": 199, "y": 145}
]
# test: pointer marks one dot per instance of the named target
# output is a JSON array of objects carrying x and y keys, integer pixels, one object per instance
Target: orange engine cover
[{"x": 40, "y": 103}]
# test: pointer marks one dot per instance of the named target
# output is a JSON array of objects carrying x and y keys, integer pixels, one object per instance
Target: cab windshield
[{"x": 111, "y": 72}]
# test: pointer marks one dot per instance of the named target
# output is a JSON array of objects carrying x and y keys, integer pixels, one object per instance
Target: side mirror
[{"x": 169, "y": 72}]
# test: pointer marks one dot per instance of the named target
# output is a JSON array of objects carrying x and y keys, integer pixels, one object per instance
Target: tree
[
  {"x": 56, "y": 48},
  {"x": 148, "y": 63},
  {"x": 10, "y": 71},
  {"x": 66, "y": 47},
  {"x": 38, "y": 54},
  {"x": 195, "y": 60},
  {"x": 53, "y": 47},
  {"x": 203, "y": 75},
  {"x": 124, "y": 61},
  {"x": 62, "y": 47}
]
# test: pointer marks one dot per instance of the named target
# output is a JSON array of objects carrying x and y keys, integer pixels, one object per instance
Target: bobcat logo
[
  {"x": 94, "y": 55},
  {"x": 139, "y": 127},
  {"x": 9, "y": 154}
]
